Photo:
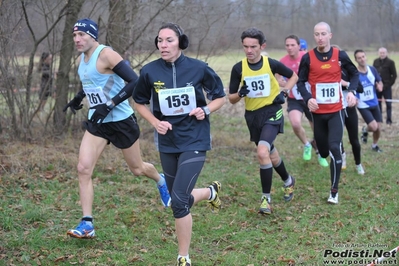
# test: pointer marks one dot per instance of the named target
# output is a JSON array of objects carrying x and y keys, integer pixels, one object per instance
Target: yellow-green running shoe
[
  {"x": 307, "y": 152},
  {"x": 183, "y": 262},
  {"x": 265, "y": 207},
  {"x": 322, "y": 161},
  {"x": 215, "y": 204},
  {"x": 289, "y": 190}
]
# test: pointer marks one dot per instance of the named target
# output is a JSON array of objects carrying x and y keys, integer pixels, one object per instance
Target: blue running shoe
[
  {"x": 163, "y": 191},
  {"x": 83, "y": 230}
]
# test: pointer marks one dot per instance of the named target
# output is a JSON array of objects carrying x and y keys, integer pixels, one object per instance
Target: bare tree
[
  {"x": 130, "y": 26},
  {"x": 118, "y": 24},
  {"x": 10, "y": 22},
  {"x": 36, "y": 41},
  {"x": 73, "y": 8},
  {"x": 143, "y": 19}
]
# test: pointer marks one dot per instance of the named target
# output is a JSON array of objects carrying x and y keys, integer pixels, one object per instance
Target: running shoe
[
  {"x": 163, "y": 191},
  {"x": 364, "y": 134},
  {"x": 343, "y": 161},
  {"x": 322, "y": 161},
  {"x": 333, "y": 200},
  {"x": 215, "y": 204},
  {"x": 265, "y": 207},
  {"x": 376, "y": 149},
  {"x": 359, "y": 169},
  {"x": 83, "y": 230},
  {"x": 289, "y": 190},
  {"x": 307, "y": 152},
  {"x": 183, "y": 262}
]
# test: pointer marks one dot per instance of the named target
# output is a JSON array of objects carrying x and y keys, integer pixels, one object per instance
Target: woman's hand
[{"x": 163, "y": 127}]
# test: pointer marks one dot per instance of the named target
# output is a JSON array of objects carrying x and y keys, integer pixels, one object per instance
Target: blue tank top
[
  {"x": 369, "y": 97},
  {"x": 100, "y": 88}
]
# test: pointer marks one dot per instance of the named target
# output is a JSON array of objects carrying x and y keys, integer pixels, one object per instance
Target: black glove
[
  {"x": 280, "y": 98},
  {"x": 75, "y": 103},
  {"x": 100, "y": 112},
  {"x": 360, "y": 88},
  {"x": 285, "y": 92},
  {"x": 243, "y": 90}
]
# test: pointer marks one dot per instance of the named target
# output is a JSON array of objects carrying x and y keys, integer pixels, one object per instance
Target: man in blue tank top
[
  {"x": 111, "y": 119},
  {"x": 368, "y": 100}
]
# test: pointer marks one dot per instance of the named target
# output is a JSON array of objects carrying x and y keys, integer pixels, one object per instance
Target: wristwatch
[
  {"x": 206, "y": 110},
  {"x": 110, "y": 104}
]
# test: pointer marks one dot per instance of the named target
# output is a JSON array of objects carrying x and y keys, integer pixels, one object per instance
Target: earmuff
[{"x": 183, "y": 39}]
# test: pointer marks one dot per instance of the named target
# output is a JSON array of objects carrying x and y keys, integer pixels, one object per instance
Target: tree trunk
[
  {"x": 67, "y": 47},
  {"x": 118, "y": 26}
]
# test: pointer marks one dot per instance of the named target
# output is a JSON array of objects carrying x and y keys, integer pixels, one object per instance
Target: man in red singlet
[{"x": 321, "y": 67}]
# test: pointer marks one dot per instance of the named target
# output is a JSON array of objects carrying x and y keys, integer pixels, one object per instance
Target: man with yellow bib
[{"x": 252, "y": 80}]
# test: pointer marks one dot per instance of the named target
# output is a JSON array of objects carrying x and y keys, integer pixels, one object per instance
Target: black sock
[
  {"x": 282, "y": 171},
  {"x": 87, "y": 219},
  {"x": 266, "y": 179}
]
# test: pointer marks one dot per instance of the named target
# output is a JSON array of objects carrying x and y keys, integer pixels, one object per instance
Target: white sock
[
  {"x": 288, "y": 181},
  {"x": 161, "y": 181},
  {"x": 267, "y": 195},
  {"x": 307, "y": 144},
  {"x": 213, "y": 193}
]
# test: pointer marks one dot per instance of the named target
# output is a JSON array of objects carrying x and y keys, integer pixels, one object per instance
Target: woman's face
[{"x": 168, "y": 45}]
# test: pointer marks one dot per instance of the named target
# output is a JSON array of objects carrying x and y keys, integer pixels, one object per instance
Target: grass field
[{"x": 39, "y": 201}]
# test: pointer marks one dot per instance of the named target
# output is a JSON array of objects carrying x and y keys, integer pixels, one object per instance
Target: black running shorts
[{"x": 122, "y": 134}]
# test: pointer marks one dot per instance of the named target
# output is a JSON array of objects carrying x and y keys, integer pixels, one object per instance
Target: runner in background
[
  {"x": 368, "y": 101},
  {"x": 351, "y": 123},
  {"x": 303, "y": 45},
  {"x": 296, "y": 107}
]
